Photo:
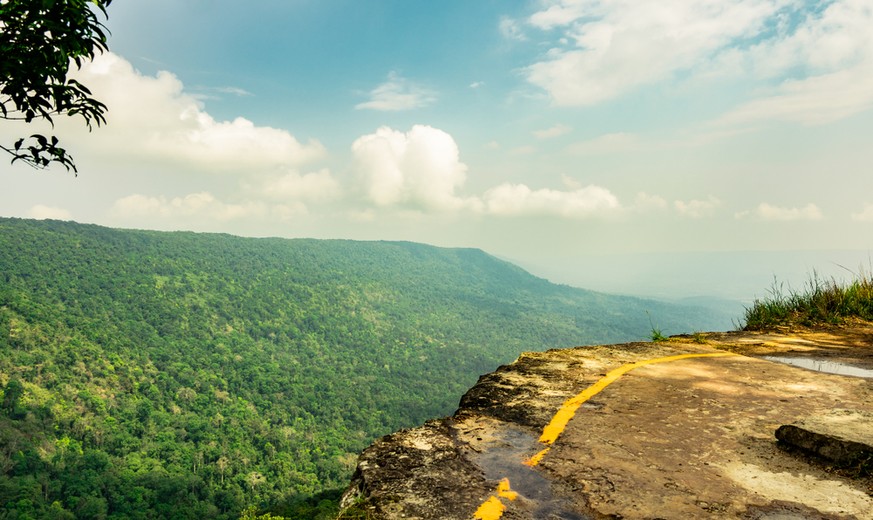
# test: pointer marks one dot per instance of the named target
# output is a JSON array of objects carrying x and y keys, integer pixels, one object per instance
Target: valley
[{"x": 155, "y": 375}]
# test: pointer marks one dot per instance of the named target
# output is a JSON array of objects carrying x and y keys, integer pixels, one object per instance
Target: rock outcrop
[
  {"x": 842, "y": 437},
  {"x": 673, "y": 429}
]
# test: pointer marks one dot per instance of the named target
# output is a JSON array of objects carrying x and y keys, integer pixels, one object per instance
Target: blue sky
[{"x": 588, "y": 140}]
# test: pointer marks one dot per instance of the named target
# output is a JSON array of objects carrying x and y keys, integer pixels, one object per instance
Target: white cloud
[
  {"x": 154, "y": 119},
  {"x": 523, "y": 150},
  {"x": 766, "y": 211},
  {"x": 558, "y": 14},
  {"x": 833, "y": 38},
  {"x": 511, "y": 29},
  {"x": 317, "y": 186},
  {"x": 865, "y": 215},
  {"x": 570, "y": 182},
  {"x": 236, "y": 91},
  {"x": 697, "y": 208},
  {"x": 194, "y": 205},
  {"x": 816, "y": 100},
  {"x": 554, "y": 131},
  {"x": 397, "y": 93},
  {"x": 621, "y": 45},
  {"x": 519, "y": 200},
  {"x": 834, "y": 48},
  {"x": 811, "y": 65},
  {"x": 605, "y": 144},
  {"x": 42, "y": 212},
  {"x": 645, "y": 202},
  {"x": 279, "y": 196},
  {"x": 419, "y": 169},
  {"x": 154, "y": 123},
  {"x": 477, "y": 84},
  {"x": 207, "y": 93}
]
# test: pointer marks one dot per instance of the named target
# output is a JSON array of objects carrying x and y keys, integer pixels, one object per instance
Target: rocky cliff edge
[{"x": 684, "y": 428}]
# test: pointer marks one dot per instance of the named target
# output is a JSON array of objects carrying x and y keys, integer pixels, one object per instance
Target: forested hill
[{"x": 181, "y": 375}]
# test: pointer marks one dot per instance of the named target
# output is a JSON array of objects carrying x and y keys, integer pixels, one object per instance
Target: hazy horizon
[{"x": 735, "y": 276}]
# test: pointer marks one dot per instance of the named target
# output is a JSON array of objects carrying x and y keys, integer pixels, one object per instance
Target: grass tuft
[
  {"x": 821, "y": 302},
  {"x": 657, "y": 334}
]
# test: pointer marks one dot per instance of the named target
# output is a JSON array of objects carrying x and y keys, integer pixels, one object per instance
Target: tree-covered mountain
[{"x": 181, "y": 375}]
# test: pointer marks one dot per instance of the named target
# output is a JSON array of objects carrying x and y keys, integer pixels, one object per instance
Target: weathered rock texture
[
  {"x": 685, "y": 439},
  {"x": 843, "y": 437}
]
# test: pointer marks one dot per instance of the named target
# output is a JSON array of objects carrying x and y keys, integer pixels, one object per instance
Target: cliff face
[{"x": 676, "y": 429}]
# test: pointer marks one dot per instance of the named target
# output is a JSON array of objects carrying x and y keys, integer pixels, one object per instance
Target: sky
[{"x": 671, "y": 148}]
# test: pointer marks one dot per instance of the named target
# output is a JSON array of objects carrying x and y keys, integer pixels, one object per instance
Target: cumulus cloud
[
  {"x": 812, "y": 65},
  {"x": 397, "y": 93},
  {"x": 42, "y": 212},
  {"x": 697, "y": 208},
  {"x": 154, "y": 121},
  {"x": 520, "y": 200},
  {"x": 766, "y": 211},
  {"x": 552, "y": 132},
  {"x": 153, "y": 118},
  {"x": 420, "y": 169}
]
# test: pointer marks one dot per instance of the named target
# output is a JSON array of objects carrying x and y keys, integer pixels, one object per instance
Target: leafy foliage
[
  {"x": 38, "y": 41},
  {"x": 181, "y": 375},
  {"x": 822, "y": 302}
]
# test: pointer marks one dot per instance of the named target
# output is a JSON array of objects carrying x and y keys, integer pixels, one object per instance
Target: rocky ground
[{"x": 689, "y": 438}]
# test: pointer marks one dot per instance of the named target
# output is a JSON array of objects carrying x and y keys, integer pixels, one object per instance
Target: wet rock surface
[{"x": 693, "y": 438}]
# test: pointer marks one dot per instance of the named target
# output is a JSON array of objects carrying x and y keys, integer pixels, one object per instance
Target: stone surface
[
  {"x": 843, "y": 437},
  {"x": 685, "y": 439},
  {"x": 418, "y": 473}
]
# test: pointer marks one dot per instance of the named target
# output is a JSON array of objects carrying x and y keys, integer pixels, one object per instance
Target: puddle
[
  {"x": 820, "y": 365},
  {"x": 504, "y": 458}
]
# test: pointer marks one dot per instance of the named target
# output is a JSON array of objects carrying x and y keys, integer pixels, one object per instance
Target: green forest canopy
[{"x": 181, "y": 375}]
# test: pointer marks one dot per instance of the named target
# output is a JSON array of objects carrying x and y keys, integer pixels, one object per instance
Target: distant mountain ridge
[{"x": 211, "y": 372}]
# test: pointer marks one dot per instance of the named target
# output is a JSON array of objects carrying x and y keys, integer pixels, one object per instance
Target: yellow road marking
[
  {"x": 568, "y": 409},
  {"x": 493, "y": 508},
  {"x": 533, "y": 461},
  {"x": 504, "y": 491}
]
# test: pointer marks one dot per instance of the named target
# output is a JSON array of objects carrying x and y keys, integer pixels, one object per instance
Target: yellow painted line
[
  {"x": 493, "y": 508},
  {"x": 504, "y": 491},
  {"x": 568, "y": 409},
  {"x": 533, "y": 461}
]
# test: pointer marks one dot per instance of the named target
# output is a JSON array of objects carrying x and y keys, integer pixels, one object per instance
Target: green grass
[
  {"x": 821, "y": 302},
  {"x": 657, "y": 334}
]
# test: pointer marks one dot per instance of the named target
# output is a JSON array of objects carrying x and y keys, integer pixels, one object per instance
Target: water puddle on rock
[
  {"x": 820, "y": 365},
  {"x": 504, "y": 458}
]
